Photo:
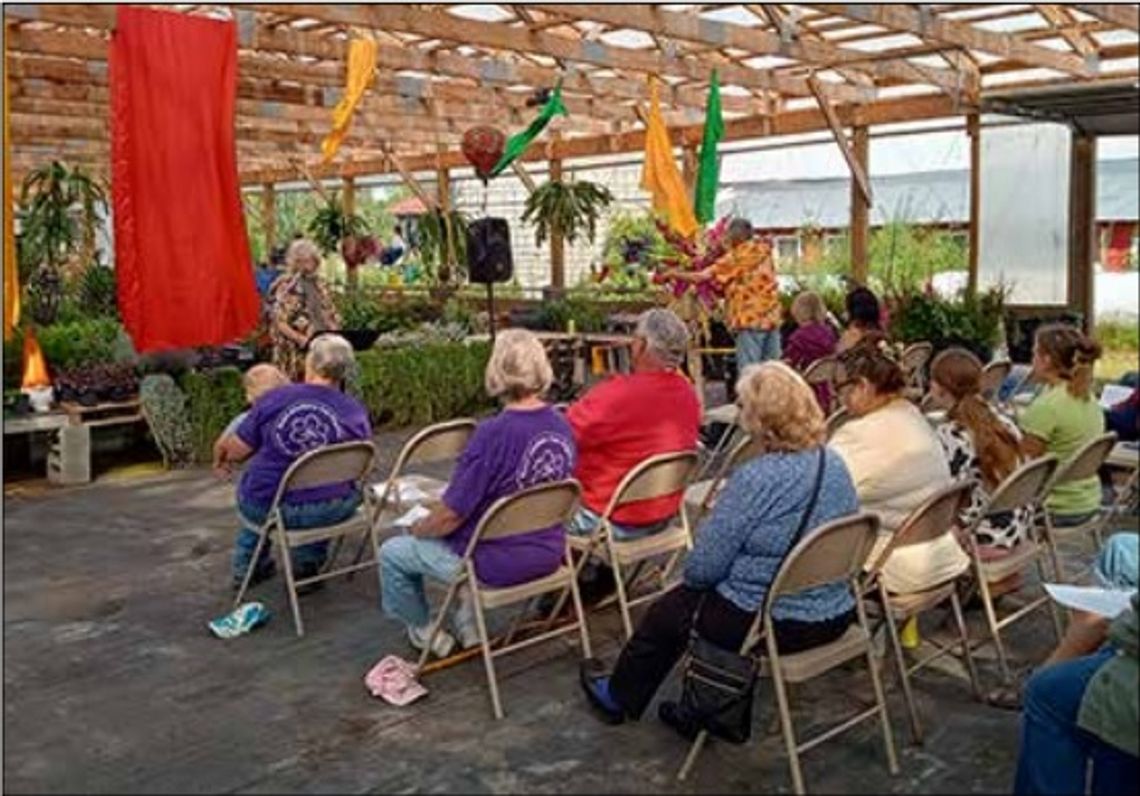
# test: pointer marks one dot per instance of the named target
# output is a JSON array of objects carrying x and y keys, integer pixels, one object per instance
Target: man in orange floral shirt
[{"x": 752, "y": 300}]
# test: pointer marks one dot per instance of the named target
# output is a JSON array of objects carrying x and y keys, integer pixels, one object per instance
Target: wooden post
[
  {"x": 1082, "y": 226},
  {"x": 557, "y": 245},
  {"x": 443, "y": 199},
  {"x": 689, "y": 165},
  {"x": 860, "y": 206},
  {"x": 352, "y": 278},
  {"x": 269, "y": 216},
  {"x": 974, "y": 130}
]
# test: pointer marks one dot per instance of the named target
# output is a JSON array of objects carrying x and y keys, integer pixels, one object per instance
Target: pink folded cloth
[{"x": 393, "y": 679}]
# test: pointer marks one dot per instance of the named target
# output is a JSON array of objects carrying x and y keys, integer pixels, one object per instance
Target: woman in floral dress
[{"x": 302, "y": 307}]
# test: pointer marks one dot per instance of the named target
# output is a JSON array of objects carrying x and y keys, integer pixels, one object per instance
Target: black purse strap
[{"x": 811, "y": 502}]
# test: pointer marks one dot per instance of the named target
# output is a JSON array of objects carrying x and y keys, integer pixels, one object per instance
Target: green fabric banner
[
  {"x": 518, "y": 142},
  {"x": 708, "y": 173}
]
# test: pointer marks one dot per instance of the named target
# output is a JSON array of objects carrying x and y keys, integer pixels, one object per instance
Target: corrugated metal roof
[{"x": 929, "y": 197}]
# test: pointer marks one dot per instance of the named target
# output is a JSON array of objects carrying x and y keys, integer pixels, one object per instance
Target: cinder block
[{"x": 69, "y": 461}]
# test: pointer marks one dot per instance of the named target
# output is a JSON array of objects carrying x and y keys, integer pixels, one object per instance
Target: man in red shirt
[{"x": 626, "y": 419}]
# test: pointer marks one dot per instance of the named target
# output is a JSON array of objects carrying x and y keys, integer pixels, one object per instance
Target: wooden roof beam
[
  {"x": 504, "y": 37},
  {"x": 1061, "y": 21},
  {"x": 858, "y": 174},
  {"x": 928, "y": 26},
  {"x": 1123, "y": 15}
]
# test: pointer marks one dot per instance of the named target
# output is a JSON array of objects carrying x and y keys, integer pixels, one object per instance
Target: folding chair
[
  {"x": 824, "y": 371},
  {"x": 836, "y": 420},
  {"x": 1085, "y": 463},
  {"x": 833, "y": 552},
  {"x": 935, "y": 517},
  {"x": 436, "y": 443},
  {"x": 700, "y": 496},
  {"x": 332, "y": 464},
  {"x": 523, "y": 512},
  {"x": 1025, "y": 487},
  {"x": 656, "y": 476},
  {"x": 913, "y": 362},
  {"x": 727, "y": 414},
  {"x": 993, "y": 376}
]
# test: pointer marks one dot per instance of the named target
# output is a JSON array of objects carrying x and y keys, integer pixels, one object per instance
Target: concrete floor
[{"x": 112, "y": 682}]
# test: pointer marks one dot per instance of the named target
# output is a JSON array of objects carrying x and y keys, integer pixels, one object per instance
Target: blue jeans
[
  {"x": 298, "y": 516},
  {"x": 754, "y": 346},
  {"x": 1118, "y": 563},
  {"x": 1054, "y": 751},
  {"x": 404, "y": 563},
  {"x": 585, "y": 521}
]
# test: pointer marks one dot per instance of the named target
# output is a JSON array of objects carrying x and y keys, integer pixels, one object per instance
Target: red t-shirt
[{"x": 623, "y": 421}]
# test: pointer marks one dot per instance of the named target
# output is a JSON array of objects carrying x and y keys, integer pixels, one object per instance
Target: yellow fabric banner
[
  {"x": 361, "y": 68},
  {"x": 11, "y": 272},
  {"x": 659, "y": 175}
]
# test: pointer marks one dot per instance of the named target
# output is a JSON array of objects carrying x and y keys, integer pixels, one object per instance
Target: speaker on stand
[{"x": 489, "y": 257}]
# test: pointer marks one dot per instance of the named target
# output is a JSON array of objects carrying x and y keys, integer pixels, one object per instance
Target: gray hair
[
  {"x": 301, "y": 249},
  {"x": 330, "y": 357},
  {"x": 665, "y": 334},
  {"x": 518, "y": 366}
]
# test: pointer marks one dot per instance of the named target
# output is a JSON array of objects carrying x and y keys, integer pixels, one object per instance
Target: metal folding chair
[
  {"x": 523, "y": 512},
  {"x": 913, "y": 362},
  {"x": 836, "y": 551},
  {"x": 837, "y": 420},
  {"x": 332, "y": 464},
  {"x": 1083, "y": 464},
  {"x": 824, "y": 371},
  {"x": 993, "y": 377},
  {"x": 934, "y": 518},
  {"x": 700, "y": 496}
]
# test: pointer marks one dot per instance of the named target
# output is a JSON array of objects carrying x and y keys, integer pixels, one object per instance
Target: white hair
[
  {"x": 330, "y": 357},
  {"x": 300, "y": 250},
  {"x": 518, "y": 366},
  {"x": 665, "y": 335}
]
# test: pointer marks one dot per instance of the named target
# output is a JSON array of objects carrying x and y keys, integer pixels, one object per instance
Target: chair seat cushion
[
  {"x": 801, "y": 666},
  {"x": 508, "y": 595}
]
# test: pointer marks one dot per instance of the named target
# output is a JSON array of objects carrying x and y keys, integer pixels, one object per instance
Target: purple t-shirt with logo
[
  {"x": 287, "y": 422},
  {"x": 510, "y": 452}
]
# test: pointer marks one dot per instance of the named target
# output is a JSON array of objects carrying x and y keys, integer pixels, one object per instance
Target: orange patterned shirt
[{"x": 751, "y": 293}]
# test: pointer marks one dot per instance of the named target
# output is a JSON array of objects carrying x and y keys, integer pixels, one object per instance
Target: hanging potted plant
[
  {"x": 59, "y": 210},
  {"x": 443, "y": 247},
  {"x": 334, "y": 229},
  {"x": 571, "y": 208}
]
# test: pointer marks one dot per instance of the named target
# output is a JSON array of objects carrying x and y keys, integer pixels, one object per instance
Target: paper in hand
[
  {"x": 411, "y": 516},
  {"x": 1108, "y": 603}
]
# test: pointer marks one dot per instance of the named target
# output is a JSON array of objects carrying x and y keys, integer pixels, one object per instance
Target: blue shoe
[
  {"x": 596, "y": 687},
  {"x": 239, "y": 621}
]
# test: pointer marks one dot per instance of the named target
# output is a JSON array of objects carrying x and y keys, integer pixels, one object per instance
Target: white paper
[
  {"x": 1108, "y": 603},
  {"x": 405, "y": 492},
  {"x": 411, "y": 516},
  {"x": 1113, "y": 394}
]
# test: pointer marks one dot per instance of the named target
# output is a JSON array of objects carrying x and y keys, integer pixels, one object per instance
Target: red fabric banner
[{"x": 181, "y": 253}]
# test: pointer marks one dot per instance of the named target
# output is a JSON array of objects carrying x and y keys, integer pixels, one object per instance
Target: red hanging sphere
[{"x": 483, "y": 146}]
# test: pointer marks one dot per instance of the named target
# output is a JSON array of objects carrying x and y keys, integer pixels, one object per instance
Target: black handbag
[{"x": 718, "y": 685}]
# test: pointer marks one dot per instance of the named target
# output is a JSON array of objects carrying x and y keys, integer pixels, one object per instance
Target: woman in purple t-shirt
[{"x": 526, "y": 444}]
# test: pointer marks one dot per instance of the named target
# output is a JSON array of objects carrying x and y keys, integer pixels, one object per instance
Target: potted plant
[
  {"x": 59, "y": 208},
  {"x": 334, "y": 229},
  {"x": 443, "y": 246},
  {"x": 570, "y": 208}
]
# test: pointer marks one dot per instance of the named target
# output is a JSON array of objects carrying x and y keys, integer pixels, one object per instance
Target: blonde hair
[
  {"x": 260, "y": 379},
  {"x": 808, "y": 307},
  {"x": 779, "y": 409},
  {"x": 300, "y": 250},
  {"x": 518, "y": 366}
]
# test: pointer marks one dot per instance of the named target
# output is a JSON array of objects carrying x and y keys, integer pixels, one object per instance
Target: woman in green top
[{"x": 1064, "y": 417}]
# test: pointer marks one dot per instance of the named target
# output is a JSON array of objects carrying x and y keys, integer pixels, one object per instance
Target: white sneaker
[
  {"x": 463, "y": 621},
  {"x": 466, "y": 635},
  {"x": 441, "y": 646}
]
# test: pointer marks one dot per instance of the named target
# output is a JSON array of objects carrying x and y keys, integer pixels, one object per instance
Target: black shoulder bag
[{"x": 718, "y": 685}]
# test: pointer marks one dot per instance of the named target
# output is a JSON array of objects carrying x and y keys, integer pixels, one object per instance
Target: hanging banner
[
  {"x": 518, "y": 142},
  {"x": 708, "y": 171},
  {"x": 11, "y": 268},
  {"x": 361, "y": 67},
  {"x": 659, "y": 175}
]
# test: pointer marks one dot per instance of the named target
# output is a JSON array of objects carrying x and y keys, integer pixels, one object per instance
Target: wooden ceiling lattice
[{"x": 445, "y": 68}]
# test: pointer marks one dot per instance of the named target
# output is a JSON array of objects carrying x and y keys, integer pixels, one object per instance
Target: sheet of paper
[
  {"x": 1104, "y": 602},
  {"x": 410, "y": 492},
  {"x": 1113, "y": 394},
  {"x": 411, "y": 516}
]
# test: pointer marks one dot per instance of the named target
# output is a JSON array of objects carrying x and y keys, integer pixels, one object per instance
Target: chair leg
[
  {"x": 1054, "y": 608},
  {"x": 786, "y": 726},
  {"x": 488, "y": 659},
  {"x": 904, "y": 676},
  {"x": 967, "y": 654},
  {"x": 623, "y": 600},
  {"x": 262, "y": 534},
  {"x": 437, "y": 623},
  {"x": 694, "y": 749},
  {"x": 880, "y": 699},
  {"x": 992, "y": 625},
  {"x": 290, "y": 584},
  {"x": 580, "y": 612}
]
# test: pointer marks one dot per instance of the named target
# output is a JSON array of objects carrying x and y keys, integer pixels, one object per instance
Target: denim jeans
[
  {"x": 404, "y": 563},
  {"x": 585, "y": 521},
  {"x": 1118, "y": 562},
  {"x": 298, "y": 516},
  {"x": 1054, "y": 751},
  {"x": 754, "y": 346}
]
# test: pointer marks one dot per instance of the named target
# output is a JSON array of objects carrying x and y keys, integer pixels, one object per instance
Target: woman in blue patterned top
[{"x": 740, "y": 548}]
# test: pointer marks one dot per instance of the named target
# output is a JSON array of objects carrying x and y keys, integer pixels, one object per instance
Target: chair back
[
  {"x": 1087, "y": 461},
  {"x": 993, "y": 376},
  {"x": 329, "y": 464},
  {"x": 436, "y": 443},
  {"x": 529, "y": 510},
  {"x": 915, "y": 356},
  {"x": 657, "y": 476},
  {"x": 747, "y": 448},
  {"x": 822, "y": 371},
  {"x": 835, "y": 551},
  {"x": 1025, "y": 486},
  {"x": 936, "y": 516},
  {"x": 836, "y": 420}
]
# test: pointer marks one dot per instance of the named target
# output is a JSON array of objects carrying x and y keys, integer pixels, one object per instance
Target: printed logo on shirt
[
  {"x": 549, "y": 457},
  {"x": 304, "y": 426}
]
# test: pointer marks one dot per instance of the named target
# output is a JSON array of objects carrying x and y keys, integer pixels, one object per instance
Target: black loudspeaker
[{"x": 489, "y": 251}]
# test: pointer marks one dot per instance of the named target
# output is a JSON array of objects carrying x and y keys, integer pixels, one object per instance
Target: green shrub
[
  {"x": 587, "y": 316},
  {"x": 213, "y": 398},
  {"x": 75, "y": 344},
  {"x": 972, "y": 322},
  {"x": 414, "y": 386},
  {"x": 1118, "y": 334}
]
